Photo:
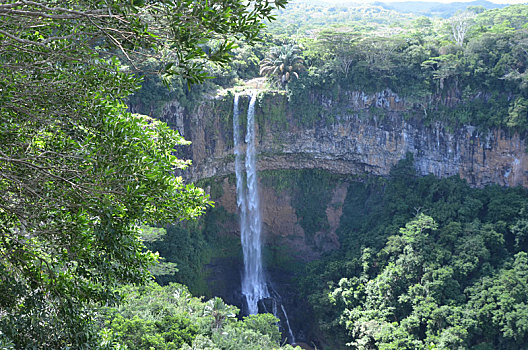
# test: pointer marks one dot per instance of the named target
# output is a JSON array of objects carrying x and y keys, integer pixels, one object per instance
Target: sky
[{"x": 443, "y": 1}]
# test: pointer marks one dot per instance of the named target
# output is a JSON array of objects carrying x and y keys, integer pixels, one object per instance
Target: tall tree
[
  {"x": 78, "y": 174},
  {"x": 460, "y": 24},
  {"x": 339, "y": 46},
  {"x": 282, "y": 63}
]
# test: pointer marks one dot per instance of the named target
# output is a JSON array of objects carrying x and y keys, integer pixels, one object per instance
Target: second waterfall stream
[{"x": 254, "y": 284}]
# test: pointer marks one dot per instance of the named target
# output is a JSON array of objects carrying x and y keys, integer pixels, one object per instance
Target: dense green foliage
[
  {"x": 424, "y": 263},
  {"x": 468, "y": 69},
  {"x": 282, "y": 64},
  {"x": 156, "y": 90},
  {"x": 191, "y": 245},
  {"x": 154, "y": 317},
  {"x": 427, "y": 288},
  {"x": 79, "y": 174}
]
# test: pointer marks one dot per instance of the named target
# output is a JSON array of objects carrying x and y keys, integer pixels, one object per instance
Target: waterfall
[
  {"x": 292, "y": 337},
  {"x": 253, "y": 282},
  {"x": 277, "y": 299},
  {"x": 254, "y": 286}
]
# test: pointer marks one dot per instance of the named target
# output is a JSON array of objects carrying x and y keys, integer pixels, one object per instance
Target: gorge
[
  {"x": 392, "y": 176},
  {"x": 357, "y": 137},
  {"x": 359, "y": 176}
]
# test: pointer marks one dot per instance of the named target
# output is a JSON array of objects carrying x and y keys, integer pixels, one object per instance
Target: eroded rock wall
[
  {"x": 359, "y": 134},
  {"x": 280, "y": 222}
]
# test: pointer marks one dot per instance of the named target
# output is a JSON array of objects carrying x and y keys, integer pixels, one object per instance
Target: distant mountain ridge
[{"x": 436, "y": 9}]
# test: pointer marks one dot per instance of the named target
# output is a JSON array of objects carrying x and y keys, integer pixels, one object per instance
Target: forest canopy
[
  {"x": 466, "y": 69},
  {"x": 424, "y": 263}
]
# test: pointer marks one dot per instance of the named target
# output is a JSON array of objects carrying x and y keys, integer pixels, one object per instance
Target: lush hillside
[
  {"x": 438, "y": 9},
  {"x": 361, "y": 261},
  {"x": 422, "y": 263},
  {"x": 471, "y": 75}
]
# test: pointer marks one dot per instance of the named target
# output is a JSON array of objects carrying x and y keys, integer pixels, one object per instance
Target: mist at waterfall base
[{"x": 255, "y": 288}]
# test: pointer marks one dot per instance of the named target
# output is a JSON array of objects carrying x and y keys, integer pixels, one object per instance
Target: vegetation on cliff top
[
  {"x": 466, "y": 69},
  {"x": 475, "y": 64}
]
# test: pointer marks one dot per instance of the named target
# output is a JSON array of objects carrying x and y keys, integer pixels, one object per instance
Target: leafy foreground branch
[{"x": 78, "y": 173}]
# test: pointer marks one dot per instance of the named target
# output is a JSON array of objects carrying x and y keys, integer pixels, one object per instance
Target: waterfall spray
[{"x": 253, "y": 282}]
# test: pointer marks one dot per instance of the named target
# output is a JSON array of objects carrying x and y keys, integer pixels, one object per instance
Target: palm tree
[
  {"x": 282, "y": 63},
  {"x": 220, "y": 312}
]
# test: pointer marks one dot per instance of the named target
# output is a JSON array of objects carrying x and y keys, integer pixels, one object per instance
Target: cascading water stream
[
  {"x": 254, "y": 286},
  {"x": 278, "y": 299},
  {"x": 292, "y": 337},
  {"x": 253, "y": 282}
]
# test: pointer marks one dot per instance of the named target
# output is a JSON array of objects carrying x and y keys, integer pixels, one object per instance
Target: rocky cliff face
[
  {"x": 355, "y": 134},
  {"x": 281, "y": 225},
  {"x": 360, "y": 134}
]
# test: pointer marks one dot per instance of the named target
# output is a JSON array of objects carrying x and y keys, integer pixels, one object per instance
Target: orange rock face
[{"x": 367, "y": 134}]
